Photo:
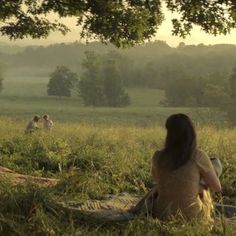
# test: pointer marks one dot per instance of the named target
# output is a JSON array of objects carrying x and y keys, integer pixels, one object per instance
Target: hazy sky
[{"x": 164, "y": 33}]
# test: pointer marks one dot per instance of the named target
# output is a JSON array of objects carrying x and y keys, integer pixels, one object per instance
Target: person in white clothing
[{"x": 47, "y": 122}]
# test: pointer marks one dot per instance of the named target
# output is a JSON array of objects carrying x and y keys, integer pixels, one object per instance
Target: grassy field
[
  {"x": 94, "y": 152},
  {"x": 92, "y": 161},
  {"x": 23, "y": 97}
]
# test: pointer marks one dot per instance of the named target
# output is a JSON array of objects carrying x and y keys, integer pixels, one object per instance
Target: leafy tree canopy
[
  {"x": 232, "y": 107},
  {"x": 101, "y": 83},
  {"x": 61, "y": 82},
  {"x": 1, "y": 80},
  {"x": 121, "y": 22}
]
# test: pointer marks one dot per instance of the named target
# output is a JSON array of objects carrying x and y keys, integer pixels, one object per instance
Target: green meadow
[
  {"x": 91, "y": 161},
  {"x": 23, "y": 97},
  {"x": 94, "y": 152}
]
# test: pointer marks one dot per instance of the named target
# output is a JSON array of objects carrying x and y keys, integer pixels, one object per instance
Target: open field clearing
[
  {"x": 94, "y": 152},
  {"x": 117, "y": 118},
  {"x": 23, "y": 97},
  {"x": 92, "y": 161}
]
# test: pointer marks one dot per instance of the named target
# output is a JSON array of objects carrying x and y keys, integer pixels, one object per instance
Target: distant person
[
  {"x": 47, "y": 122},
  {"x": 32, "y": 125}
]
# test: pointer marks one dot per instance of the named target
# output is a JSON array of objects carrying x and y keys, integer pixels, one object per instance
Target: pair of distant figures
[{"x": 32, "y": 126}]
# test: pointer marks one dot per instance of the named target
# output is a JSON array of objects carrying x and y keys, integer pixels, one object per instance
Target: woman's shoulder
[
  {"x": 200, "y": 154},
  {"x": 156, "y": 155},
  {"x": 203, "y": 160}
]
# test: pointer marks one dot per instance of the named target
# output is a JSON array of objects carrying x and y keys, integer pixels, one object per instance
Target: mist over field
[
  {"x": 159, "y": 80},
  {"x": 109, "y": 107}
]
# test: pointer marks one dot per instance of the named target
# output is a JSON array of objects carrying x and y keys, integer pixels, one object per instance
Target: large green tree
[
  {"x": 90, "y": 85},
  {"x": 184, "y": 89},
  {"x": 1, "y": 80},
  {"x": 214, "y": 96},
  {"x": 121, "y": 22},
  {"x": 101, "y": 83},
  {"x": 113, "y": 87},
  {"x": 232, "y": 105},
  {"x": 61, "y": 82}
]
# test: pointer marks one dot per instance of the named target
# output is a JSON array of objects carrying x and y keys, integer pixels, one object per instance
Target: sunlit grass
[{"x": 93, "y": 160}]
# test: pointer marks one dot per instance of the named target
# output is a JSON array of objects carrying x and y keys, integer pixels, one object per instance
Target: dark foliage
[
  {"x": 123, "y": 22},
  {"x": 61, "y": 82},
  {"x": 232, "y": 105},
  {"x": 101, "y": 83}
]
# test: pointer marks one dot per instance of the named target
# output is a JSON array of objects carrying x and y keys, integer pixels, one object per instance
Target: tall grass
[{"x": 94, "y": 160}]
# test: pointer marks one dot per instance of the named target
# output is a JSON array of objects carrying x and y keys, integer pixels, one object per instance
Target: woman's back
[{"x": 178, "y": 189}]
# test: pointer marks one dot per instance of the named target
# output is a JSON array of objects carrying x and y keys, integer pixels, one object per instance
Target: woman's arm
[
  {"x": 212, "y": 180},
  {"x": 207, "y": 171}
]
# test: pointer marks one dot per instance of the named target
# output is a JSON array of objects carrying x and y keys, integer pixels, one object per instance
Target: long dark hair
[{"x": 180, "y": 140}]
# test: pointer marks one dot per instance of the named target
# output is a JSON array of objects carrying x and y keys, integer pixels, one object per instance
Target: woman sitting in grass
[{"x": 177, "y": 169}]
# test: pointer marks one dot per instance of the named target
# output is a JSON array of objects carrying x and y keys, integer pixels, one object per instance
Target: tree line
[
  {"x": 100, "y": 83},
  {"x": 103, "y": 82},
  {"x": 190, "y": 75},
  {"x": 196, "y": 60}
]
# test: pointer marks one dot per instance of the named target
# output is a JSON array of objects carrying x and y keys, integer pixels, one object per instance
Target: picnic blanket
[
  {"x": 16, "y": 178},
  {"x": 117, "y": 208},
  {"x": 111, "y": 208}
]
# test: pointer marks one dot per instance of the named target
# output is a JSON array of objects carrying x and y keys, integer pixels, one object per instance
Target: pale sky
[{"x": 164, "y": 33}]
